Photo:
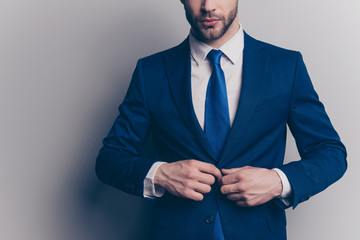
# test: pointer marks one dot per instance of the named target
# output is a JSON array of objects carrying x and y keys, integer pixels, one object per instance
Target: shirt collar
[{"x": 232, "y": 49}]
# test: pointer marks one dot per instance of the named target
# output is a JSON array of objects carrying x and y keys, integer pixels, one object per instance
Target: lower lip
[{"x": 210, "y": 23}]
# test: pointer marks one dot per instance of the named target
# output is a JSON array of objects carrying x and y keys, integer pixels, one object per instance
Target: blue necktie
[{"x": 217, "y": 120}]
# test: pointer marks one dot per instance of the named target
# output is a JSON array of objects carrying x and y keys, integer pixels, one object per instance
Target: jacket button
[{"x": 209, "y": 219}]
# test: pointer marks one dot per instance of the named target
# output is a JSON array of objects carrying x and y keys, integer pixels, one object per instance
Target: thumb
[
  {"x": 229, "y": 171},
  {"x": 232, "y": 170}
]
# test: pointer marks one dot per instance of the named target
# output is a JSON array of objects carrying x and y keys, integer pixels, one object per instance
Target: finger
[
  {"x": 229, "y": 179},
  {"x": 202, "y": 188},
  {"x": 210, "y": 169},
  {"x": 235, "y": 196},
  {"x": 194, "y": 195},
  {"x": 230, "y": 170},
  {"x": 230, "y": 189},
  {"x": 233, "y": 170},
  {"x": 242, "y": 203},
  {"x": 206, "y": 178}
]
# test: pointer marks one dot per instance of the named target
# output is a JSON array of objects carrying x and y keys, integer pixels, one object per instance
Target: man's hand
[
  {"x": 250, "y": 186},
  {"x": 188, "y": 178}
]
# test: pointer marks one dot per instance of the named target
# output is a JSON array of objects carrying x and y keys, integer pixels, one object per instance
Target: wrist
[
  {"x": 160, "y": 176},
  {"x": 278, "y": 186}
]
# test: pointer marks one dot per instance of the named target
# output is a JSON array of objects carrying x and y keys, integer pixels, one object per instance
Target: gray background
[{"x": 64, "y": 68}]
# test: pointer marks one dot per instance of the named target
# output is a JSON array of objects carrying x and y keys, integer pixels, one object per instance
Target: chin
[{"x": 211, "y": 36}]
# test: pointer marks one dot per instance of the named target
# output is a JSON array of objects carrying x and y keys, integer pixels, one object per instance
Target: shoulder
[
  {"x": 275, "y": 52},
  {"x": 160, "y": 57}
]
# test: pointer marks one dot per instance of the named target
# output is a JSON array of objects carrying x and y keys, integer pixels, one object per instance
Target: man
[{"x": 217, "y": 107}]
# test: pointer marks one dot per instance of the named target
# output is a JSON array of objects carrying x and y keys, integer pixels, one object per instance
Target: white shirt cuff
[
  {"x": 150, "y": 191},
  {"x": 286, "y": 191}
]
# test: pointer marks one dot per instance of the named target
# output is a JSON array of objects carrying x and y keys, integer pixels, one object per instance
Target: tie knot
[{"x": 214, "y": 56}]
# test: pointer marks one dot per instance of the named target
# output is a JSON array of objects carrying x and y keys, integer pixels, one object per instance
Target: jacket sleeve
[
  {"x": 119, "y": 163},
  {"x": 323, "y": 156}
]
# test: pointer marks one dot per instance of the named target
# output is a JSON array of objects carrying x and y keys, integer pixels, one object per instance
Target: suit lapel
[
  {"x": 178, "y": 68},
  {"x": 255, "y": 65}
]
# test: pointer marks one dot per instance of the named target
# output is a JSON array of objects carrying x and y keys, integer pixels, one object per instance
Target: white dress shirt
[{"x": 231, "y": 64}]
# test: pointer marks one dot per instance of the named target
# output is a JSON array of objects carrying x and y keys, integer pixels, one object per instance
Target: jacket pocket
[{"x": 276, "y": 218}]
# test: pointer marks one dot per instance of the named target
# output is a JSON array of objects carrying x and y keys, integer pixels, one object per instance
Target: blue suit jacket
[{"x": 276, "y": 92}]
